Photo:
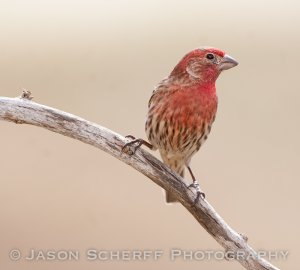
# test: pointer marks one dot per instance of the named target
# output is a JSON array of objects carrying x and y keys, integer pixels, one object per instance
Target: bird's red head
[{"x": 204, "y": 64}]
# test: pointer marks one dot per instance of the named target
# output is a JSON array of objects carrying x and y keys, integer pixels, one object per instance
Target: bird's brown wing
[{"x": 161, "y": 87}]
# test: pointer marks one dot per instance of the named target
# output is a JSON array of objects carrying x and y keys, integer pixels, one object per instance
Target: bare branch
[{"x": 24, "y": 111}]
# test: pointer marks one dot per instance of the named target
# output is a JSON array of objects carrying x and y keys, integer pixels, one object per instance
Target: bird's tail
[
  {"x": 170, "y": 198},
  {"x": 177, "y": 165}
]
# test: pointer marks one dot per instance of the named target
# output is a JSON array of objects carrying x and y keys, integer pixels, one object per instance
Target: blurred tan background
[{"x": 100, "y": 60}]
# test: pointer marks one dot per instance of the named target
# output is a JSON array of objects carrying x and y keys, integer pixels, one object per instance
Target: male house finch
[{"x": 182, "y": 109}]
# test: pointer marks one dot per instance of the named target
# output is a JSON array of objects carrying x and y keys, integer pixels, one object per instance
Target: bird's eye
[{"x": 210, "y": 56}]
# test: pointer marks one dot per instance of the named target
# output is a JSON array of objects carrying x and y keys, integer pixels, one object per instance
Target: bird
[{"x": 182, "y": 109}]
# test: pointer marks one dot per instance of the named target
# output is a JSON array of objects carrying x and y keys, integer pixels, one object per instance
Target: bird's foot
[
  {"x": 200, "y": 194},
  {"x": 131, "y": 147},
  {"x": 130, "y": 137}
]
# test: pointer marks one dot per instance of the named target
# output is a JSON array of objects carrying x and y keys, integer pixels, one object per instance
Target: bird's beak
[{"x": 227, "y": 62}]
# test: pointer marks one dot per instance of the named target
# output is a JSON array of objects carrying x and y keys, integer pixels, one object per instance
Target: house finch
[{"x": 182, "y": 109}]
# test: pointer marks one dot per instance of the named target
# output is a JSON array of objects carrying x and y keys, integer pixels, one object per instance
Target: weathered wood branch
[{"x": 24, "y": 111}]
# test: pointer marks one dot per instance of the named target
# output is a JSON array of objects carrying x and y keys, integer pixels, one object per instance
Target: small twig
[
  {"x": 26, "y": 94},
  {"x": 22, "y": 110}
]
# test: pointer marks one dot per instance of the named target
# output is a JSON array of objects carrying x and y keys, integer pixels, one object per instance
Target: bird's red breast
[{"x": 178, "y": 116}]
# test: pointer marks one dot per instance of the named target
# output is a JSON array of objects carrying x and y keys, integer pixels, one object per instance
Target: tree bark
[{"x": 22, "y": 110}]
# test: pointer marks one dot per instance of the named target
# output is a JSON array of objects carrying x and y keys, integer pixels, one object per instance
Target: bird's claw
[
  {"x": 130, "y": 137},
  {"x": 135, "y": 143},
  {"x": 200, "y": 194},
  {"x": 129, "y": 147}
]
